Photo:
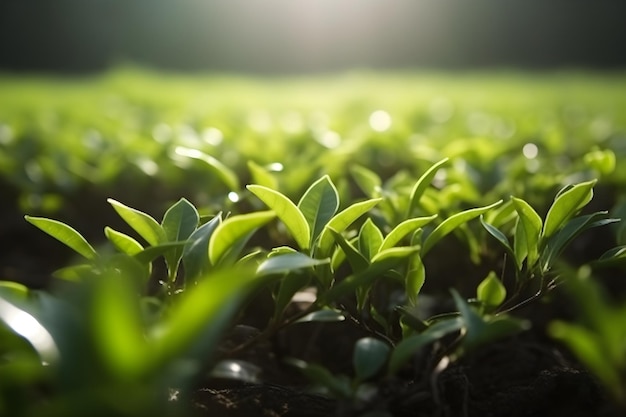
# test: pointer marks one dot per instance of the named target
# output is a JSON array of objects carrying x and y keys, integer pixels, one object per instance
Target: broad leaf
[
  {"x": 566, "y": 205},
  {"x": 421, "y": 185},
  {"x": 196, "y": 250},
  {"x": 65, "y": 234},
  {"x": 142, "y": 223},
  {"x": 319, "y": 204},
  {"x": 287, "y": 212},
  {"x": 231, "y": 230},
  {"x": 289, "y": 262},
  {"x": 370, "y": 239},
  {"x": 340, "y": 223},
  {"x": 369, "y": 357},
  {"x": 179, "y": 222},
  {"x": 123, "y": 242},
  {"x": 490, "y": 291},
  {"x": 531, "y": 226},
  {"x": 404, "y": 229},
  {"x": 451, "y": 223},
  {"x": 225, "y": 174}
]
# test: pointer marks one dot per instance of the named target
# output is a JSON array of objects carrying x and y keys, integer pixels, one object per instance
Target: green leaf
[
  {"x": 233, "y": 229},
  {"x": 65, "y": 234},
  {"x": 370, "y": 239},
  {"x": 340, "y": 223},
  {"x": 410, "y": 345},
  {"x": 490, "y": 291},
  {"x": 152, "y": 252},
  {"x": 179, "y": 222},
  {"x": 74, "y": 273},
  {"x": 262, "y": 176},
  {"x": 123, "y": 242},
  {"x": 142, "y": 223},
  {"x": 421, "y": 185},
  {"x": 403, "y": 229},
  {"x": 614, "y": 256},
  {"x": 531, "y": 226},
  {"x": 415, "y": 278},
  {"x": 559, "y": 241},
  {"x": 566, "y": 205},
  {"x": 368, "y": 181},
  {"x": 451, "y": 223},
  {"x": 369, "y": 357},
  {"x": 13, "y": 290},
  {"x": 357, "y": 261},
  {"x": 285, "y": 263},
  {"x": 381, "y": 264},
  {"x": 225, "y": 174},
  {"x": 502, "y": 239},
  {"x": 325, "y": 315},
  {"x": 196, "y": 250},
  {"x": 286, "y": 211},
  {"x": 319, "y": 204}
]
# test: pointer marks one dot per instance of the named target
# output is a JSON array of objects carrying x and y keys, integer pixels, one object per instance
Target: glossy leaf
[
  {"x": 369, "y": 356},
  {"x": 370, "y": 239},
  {"x": 233, "y": 229},
  {"x": 404, "y": 229},
  {"x": 614, "y": 256},
  {"x": 123, "y": 242},
  {"x": 319, "y": 204},
  {"x": 196, "y": 250},
  {"x": 357, "y": 261},
  {"x": 65, "y": 234},
  {"x": 566, "y": 205},
  {"x": 340, "y": 223},
  {"x": 289, "y": 262},
  {"x": 451, "y": 223},
  {"x": 422, "y": 184},
  {"x": 490, "y": 291},
  {"x": 261, "y": 176},
  {"x": 287, "y": 212},
  {"x": 179, "y": 222},
  {"x": 142, "y": 223},
  {"x": 502, "y": 239},
  {"x": 403, "y": 352},
  {"x": 415, "y": 278},
  {"x": 530, "y": 224},
  {"x": 221, "y": 171}
]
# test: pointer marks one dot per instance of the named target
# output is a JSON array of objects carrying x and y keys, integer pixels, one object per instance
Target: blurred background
[{"x": 304, "y": 36}]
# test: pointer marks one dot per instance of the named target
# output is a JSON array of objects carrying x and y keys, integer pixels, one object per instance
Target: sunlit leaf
[
  {"x": 530, "y": 224},
  {"x": 420, "y": 186},
  {"x": 287, "y": 212},
  {"x": 261, "y": 176},
  {"x": 370, "y": 239},
  {"x": 65, "y": 234},
  {"x": 142, "y": 223},
  {"x": 490, "y": 291},
  {"x": 179, "y": 222},
  {"x": 233, "y": 229},
  {"x": 369, "y": 357},
  {"x": 123, "y": 242},
  {"x": 404, "y": 229},
  {"x": 451, "y": 223},
  {"x": 284, "y": 263},
  {"x": 566, "y": 205},
  {"x": 319, "y": 204},
  {"x": 357, "y": 261},
  {"x": 368, "y": 181},
  {"x": 502, "y": 239},
  {"x": 415, "y": 278},
  {"x": 221, "y": 171}
]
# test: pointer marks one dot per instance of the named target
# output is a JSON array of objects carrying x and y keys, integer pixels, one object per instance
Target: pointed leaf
[
  {"x": 566, "y": 205},
  {"x": 179, "y": 222},
  {"x": 290, "y": 262},
  {"x": 369, "y": 357},
  {"x": 370, "y": 239},
  {"x": 357, "y": 261},
  {"x": 225, "y": 174},
  {"x": 196, "y": 250},
  {"x": 262, "y": 176},
  {"x": 490, "y": 291},
  {"x": 421, "y": 185},
  {"x": 341, "y": 221},
  {"x": 531, "y": 225},
  {"x": 233, "y": 229},
  {"x": 451, "y": 223},
  {"x": 65, "y": 234},
  {"x": 415, "y": 278},
  {"x": 368, "y": 181},
  {"x": 142, "y": 223},
  {"x": 319, "y": 204},
  {"x": 286, "y": 211},
  {"x": 404, "y": 229},
  {"x": 123, "y": 242},
  {"x": 502, "y": 239}
]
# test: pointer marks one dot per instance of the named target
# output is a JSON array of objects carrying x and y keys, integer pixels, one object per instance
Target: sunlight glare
[{"x": 380, "y": 121}]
